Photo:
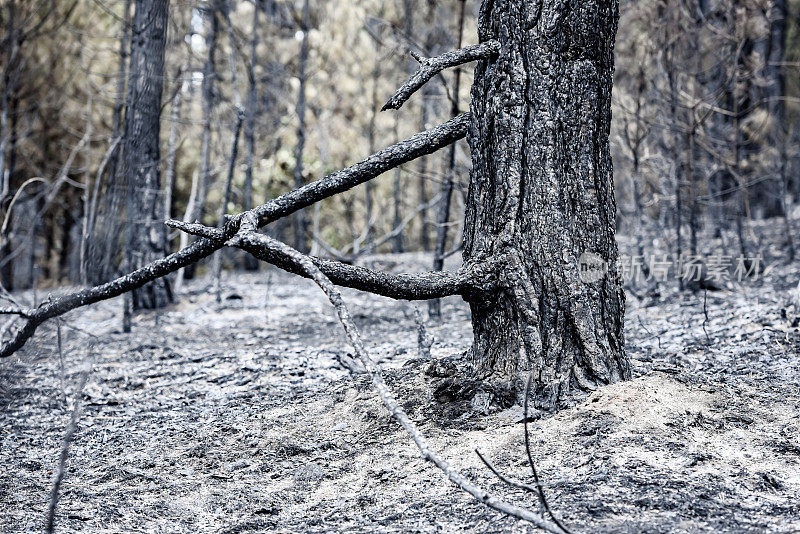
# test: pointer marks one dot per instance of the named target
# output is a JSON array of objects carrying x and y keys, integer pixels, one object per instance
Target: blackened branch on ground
[
  {"x": 416, "y": 146},
  {"x": 69, "y": 435},
  {"x": 418, "y": 286}
]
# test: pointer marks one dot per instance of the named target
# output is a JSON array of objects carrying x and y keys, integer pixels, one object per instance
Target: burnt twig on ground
[{"x": 72, "y": 427}]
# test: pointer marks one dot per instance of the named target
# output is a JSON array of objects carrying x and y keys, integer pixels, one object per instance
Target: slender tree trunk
[
  {"x": 237, "y": 130},
  {"x": 104, "y": 243},
  {"x": 145, "y": 232},
  {"x": 11, "y": 45},
  {"x": 251, "y": 263},
  {"x": 366, "y": 236},
  {"x": 427, "y": 99},
  {"x": 636, "y": 148},
  {"x": 397, "y": 240},
  {"x": 172, "y": 152},
  {"x": 694, "y": 126},
  {"x": 434, "y": 306},
  {"x": 209, "y": 78},
  {"x": 541, "y": 205},
  {"x": 776, "y": 77},
  {"x": 9, "y": 83},
  {"x": 690, "y": 171},
  {"x": 86, "y": 198},
  {"x": 300, "y": 216},
  {"x": 7, "y": 267},
  {"x": 736, "y": 144},
  {"x": 187, "y": 218},
  {"x": 677, "y": 158}
]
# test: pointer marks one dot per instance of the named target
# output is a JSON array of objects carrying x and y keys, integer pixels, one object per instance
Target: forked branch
[
  {"x": 416, "y": 286},
  {"x": 418, "y": 145},
  {"x": 430, "y": 67}
]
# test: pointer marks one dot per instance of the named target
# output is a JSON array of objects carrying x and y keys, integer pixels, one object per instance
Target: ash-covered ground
[{"x": 239, "y": 418}]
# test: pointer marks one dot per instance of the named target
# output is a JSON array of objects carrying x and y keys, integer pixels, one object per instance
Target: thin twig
[
  {"x": 505, "y": 479},
  {"x": 656, "y": 336},
  {"x": 61, "y": 361},
  {"x": 72, "y": 427},
  {"x": 705, "y": 314},
  {"x": 539, "y": 486}
]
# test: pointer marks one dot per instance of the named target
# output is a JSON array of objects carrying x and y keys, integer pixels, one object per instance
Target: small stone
[{"x": 310, "y": 472}]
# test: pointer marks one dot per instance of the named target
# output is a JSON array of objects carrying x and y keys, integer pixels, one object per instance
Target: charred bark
[{"x": 541, "y": 200}]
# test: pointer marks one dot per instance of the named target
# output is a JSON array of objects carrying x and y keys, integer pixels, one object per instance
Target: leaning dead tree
[{"x": 540, "y": 260}]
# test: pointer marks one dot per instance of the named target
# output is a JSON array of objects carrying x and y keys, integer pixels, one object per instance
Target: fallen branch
[
  {"x": 304, "y": 263},
  {"x": 417, "y": 286},
  {"x": 412, "y": 148},
  {"x": 430, "y": 67}
]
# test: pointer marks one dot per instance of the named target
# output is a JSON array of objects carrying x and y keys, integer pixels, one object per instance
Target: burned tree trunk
[
  {"x": 145, "y": 232},
  {"x": 250, "y": 263},
  {"x": 300, "y": 217},
  {"x": 103, "y": 245},
  {"x": 208, "y": 95},
  {"x": 541, "y": 204},
  {"x": 540, "y": 261}
]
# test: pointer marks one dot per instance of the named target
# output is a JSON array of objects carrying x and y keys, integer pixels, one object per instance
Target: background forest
[{"x": 704, "y": 138}]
